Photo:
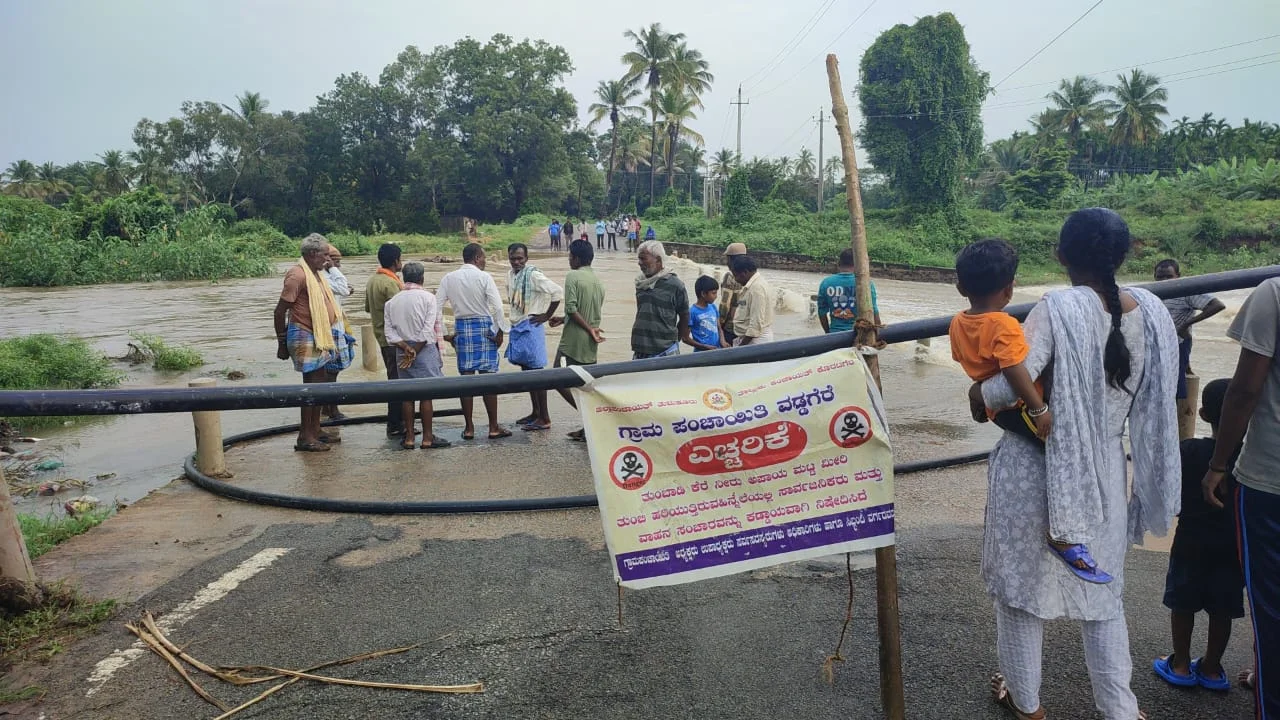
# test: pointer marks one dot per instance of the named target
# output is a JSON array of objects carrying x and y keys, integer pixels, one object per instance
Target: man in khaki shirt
[
  {"x": 729, "y": 289},
  {"x": 753, "y": 318}
]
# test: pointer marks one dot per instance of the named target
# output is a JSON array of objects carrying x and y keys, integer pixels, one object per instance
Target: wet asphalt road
[{"x": 536, "y": 620}]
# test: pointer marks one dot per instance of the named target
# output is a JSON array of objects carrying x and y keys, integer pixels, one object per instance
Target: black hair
[
  {"x": 472, "y": 252},
  {"x": 518, "y": 246},
  {"x": 388, "y": 255},
  {"x": 1095, "y": 241},
  {"x": 742, "y": 263},
  {"x": 1211, "y": 399},
  {"x": 583, "y": 251},
  {"x": 415, "y": 272},
  {"x": 986, "y": 267},
  {"x": 1170, "y": 262},
  {"x": 705, "y": 284},
  {"x": 846, "y": 258}
]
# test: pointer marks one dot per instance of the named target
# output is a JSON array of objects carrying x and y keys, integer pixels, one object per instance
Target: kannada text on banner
[{"x": 713, "y": 471}]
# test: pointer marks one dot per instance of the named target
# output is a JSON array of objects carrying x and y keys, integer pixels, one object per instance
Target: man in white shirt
[
  {"x": 414, "y": 328},
  {"x": 479, "y": 323},
  {"x": 534, "y": 299},
  {"x": 333, "y": 275}
]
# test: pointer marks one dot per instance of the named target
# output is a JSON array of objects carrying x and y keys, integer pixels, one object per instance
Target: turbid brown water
[{"x": 230, "y": 324}]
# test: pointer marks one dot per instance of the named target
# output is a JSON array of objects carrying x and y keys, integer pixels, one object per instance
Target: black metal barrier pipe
[
  {"x": 438, "y": 507},
  {"x": 161, "y": 400}
]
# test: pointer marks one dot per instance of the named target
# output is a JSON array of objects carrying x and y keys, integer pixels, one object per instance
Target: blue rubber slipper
[
  {"x": 1090, "y": 573},
  {"x": 1220, "y": 684},
  {"x": 1166, "y": 673}
]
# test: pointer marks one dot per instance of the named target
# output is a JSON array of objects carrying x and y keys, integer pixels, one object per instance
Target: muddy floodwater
[{"x": 230, "y": 323}]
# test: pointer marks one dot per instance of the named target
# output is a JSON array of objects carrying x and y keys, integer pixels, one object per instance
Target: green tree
[
  {"x": 921, "y": 98},
  {"x": 676, "y": 107},
  {"x": 613, "y": 100},
  {"x": 115, "y": 171},
  {"x": 723, "y": 162},
  {"x": 1138, "y": 109},
  {"x": 690, "y": 72},
  {"x": 693, "y": 159},
  {"x": 1046, "y": 180},
  {"x": 804, "y": 167},
  {"x": 648, "y": 64},
  {"x": 1079, "y": 107},
  {"x": 23, "y": 180},
  {"x": 739, "y": 204}
]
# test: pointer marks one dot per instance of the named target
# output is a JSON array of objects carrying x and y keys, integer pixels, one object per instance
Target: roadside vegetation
[{"x": 52, "y": 362}]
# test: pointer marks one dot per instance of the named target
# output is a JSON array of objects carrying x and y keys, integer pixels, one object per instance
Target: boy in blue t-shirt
[
  {"x": 837, "y": 299},
  {"x": 704, "y": 317}
]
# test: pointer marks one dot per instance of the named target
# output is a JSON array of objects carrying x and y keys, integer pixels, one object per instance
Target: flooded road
[{"x": 230, "y": 324}]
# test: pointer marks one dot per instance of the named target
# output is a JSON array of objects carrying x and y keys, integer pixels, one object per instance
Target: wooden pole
[
  {"x": 370, "y": 354},
  {"x": 892, "y": 694},
  {"x": 209, "y": 459},
  {"x": 15, "y": 563},
  {"x": 1188, "y": 408}
]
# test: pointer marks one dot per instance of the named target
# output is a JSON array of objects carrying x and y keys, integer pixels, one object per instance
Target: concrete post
[
  {"x": 209, "y": 459},
  {"x": 1189, "y": 409},
  {"x": 15, "y": 563},
  {"x": 370, "y": 354}
]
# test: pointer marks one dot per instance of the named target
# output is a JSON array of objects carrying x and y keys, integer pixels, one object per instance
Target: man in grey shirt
[
  {"x": 1183, "y": 311},
  {"x": 1253, "y": 403}
]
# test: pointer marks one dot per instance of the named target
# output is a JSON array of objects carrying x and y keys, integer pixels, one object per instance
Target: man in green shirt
[
  {"x": 583, "y": 302},
  {"x": 381, "y": 288},
  {"x": 838, "y": 298}
]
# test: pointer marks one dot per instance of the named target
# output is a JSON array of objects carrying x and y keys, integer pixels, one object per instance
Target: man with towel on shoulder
[{"x": 312, "y": 331}]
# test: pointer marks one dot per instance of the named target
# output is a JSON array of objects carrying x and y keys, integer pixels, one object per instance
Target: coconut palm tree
[
  {"x": 647, "y": 64},
  {"x": 633, "y": 151},
  {"x": 115, "y": 172},
  {"x": 676, "y": 108},
  {"x": 23, "y": 180},
  {"x": 613, "y": 100},
  {"x": 723, "y": 162},
  {"x": 148, "y": 165},
  {"x": 689, "y": 72},
  {"x": 250, "y": 107},
  {"x": 804, "y": 167},
  {"x": 52, "y": 186},
  {"x": 1138, "y": 107},
  {"x": 1079, "y": 108},
  {"x": 692, "y": 158},
  {"x": 832, "y": 170},
  {"x": 784, "y": 165}
]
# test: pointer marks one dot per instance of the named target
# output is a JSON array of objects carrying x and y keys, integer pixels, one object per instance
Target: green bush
[
  {"x": 50, "y": 362},
  {"x": 263, "y": 236},
  {"x": 350, "y": 243},
  {"x": 133, "y": 216},
  {"x": 161, "y": 355}
]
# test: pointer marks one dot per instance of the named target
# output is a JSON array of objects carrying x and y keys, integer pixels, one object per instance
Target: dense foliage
[
  {"x": 921, "y": 96},
  {"x": 45, "y": 246}
]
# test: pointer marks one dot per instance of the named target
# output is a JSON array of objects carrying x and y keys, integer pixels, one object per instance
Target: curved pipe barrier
[{"x": 437, "y": 507}]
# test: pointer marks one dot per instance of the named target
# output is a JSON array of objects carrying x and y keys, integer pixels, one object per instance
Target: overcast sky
[{"x": 81, "y": 74}]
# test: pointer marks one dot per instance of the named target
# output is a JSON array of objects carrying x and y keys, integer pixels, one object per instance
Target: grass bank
[{"x": 65, "y": 615}]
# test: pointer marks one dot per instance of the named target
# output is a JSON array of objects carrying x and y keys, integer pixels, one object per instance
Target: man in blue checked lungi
[
  {"x": 312, "y": 332},
  {"x": 479, "y": 327}
]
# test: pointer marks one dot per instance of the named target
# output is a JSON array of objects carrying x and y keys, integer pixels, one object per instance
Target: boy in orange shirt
[{"x": 986, "y": 340}]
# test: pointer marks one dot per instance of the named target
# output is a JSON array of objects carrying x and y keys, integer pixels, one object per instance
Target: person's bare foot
[{"x": 1246, "y": 679}]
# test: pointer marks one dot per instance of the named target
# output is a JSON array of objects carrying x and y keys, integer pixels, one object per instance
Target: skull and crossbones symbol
[{"x": 632, "y": 467}]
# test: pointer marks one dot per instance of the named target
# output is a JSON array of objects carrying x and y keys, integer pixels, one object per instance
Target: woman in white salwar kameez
[{"x": 1113, "y": 356}]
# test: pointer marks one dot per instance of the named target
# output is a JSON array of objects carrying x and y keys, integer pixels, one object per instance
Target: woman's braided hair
[{"x": 1096, "y": 240}]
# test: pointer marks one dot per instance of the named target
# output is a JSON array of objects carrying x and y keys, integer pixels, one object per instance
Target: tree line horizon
[{"x": 487, "y": 130}]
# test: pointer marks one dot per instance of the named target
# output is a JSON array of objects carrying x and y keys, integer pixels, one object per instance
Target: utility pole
[
  {"x": 739, "y": 103},
  {"x": 820, "y": 160}
]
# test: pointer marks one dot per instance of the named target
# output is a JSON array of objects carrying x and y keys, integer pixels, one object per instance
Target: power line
[
  {"x": 794, "y": 45},
  {"x": 789, "y": 42},
  {"x": 1046, "y": 45},
  {"x": 1246, "y": 67},
  {"x": 1153, "y": 62},
  {"x": 800, "y": 127},
  {"x": 824, "y": 50}
]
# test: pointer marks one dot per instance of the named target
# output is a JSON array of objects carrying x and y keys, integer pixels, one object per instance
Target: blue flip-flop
[
  {"x": 1091, "y": 572},
  {"x": 1166, "y": 673},
  {"x": 1220, "y": 684}
]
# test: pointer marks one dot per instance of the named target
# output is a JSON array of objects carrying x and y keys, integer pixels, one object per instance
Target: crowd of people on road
[
  {"x": 627, "y": 227},
  {"x": 1091, "y": 364}
]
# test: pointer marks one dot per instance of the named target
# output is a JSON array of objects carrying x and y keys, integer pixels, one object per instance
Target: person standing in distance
[
  {"x": 838, "y": 297},
  {"x": 377, "y": 291},
  {"x": 479, "y": 324}
]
